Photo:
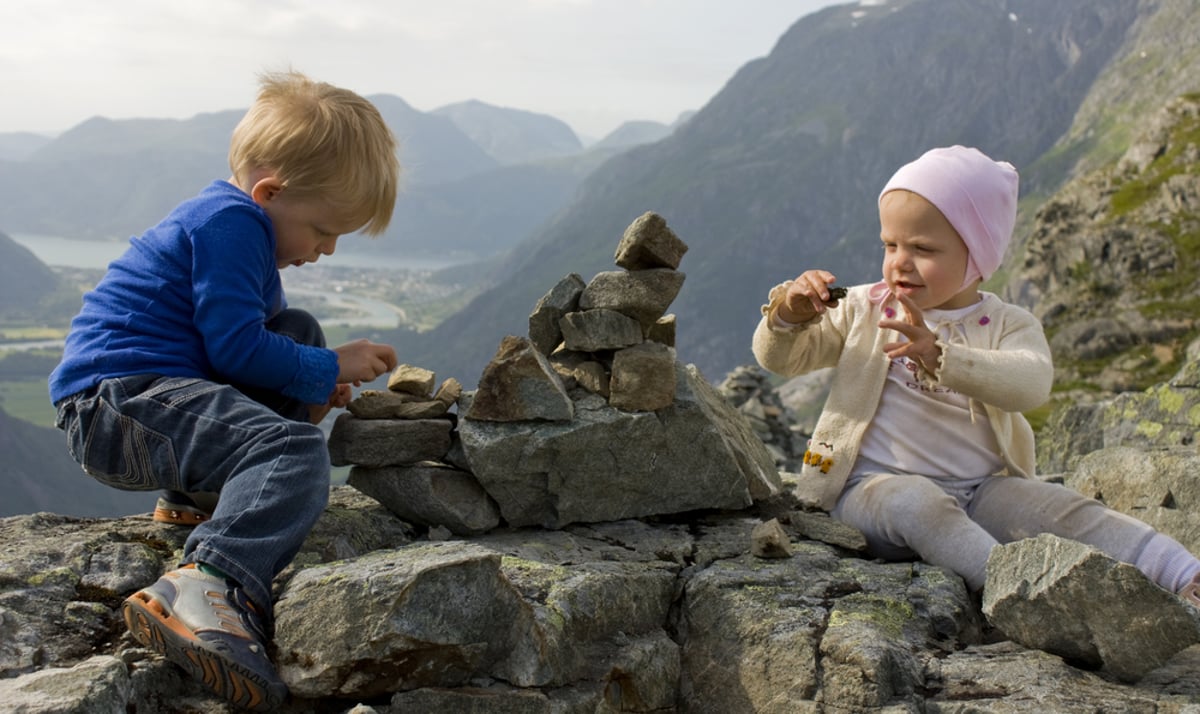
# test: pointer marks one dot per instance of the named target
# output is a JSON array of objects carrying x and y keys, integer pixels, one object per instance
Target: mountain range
[
  {"x": 780, "y": 171},
  {"x": 477, "y": 178}
]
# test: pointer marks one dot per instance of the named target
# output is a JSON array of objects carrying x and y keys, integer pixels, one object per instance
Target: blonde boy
[{"x": 186, "y": 371}]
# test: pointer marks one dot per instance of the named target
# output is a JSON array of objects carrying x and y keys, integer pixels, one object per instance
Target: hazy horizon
[{"x": 594, "y": 64}]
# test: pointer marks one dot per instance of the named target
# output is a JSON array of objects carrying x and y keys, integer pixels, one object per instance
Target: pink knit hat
[{"x": 976, "y": 194}]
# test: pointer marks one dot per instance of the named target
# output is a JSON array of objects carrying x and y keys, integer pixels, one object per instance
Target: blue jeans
[{"x": 270, "y": 465}]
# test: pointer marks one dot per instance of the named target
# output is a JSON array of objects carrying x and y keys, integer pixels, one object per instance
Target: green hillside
[{"x": 38, "y": 474}]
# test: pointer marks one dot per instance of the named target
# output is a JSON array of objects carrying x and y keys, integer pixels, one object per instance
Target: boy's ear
[{"x": 266, "y": 189}]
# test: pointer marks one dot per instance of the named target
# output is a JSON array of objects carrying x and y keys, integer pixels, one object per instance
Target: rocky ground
[{"x": 658, "y": 614}]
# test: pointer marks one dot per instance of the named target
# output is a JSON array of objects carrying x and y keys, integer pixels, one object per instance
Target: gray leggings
[{"x": 905, "y": 515}]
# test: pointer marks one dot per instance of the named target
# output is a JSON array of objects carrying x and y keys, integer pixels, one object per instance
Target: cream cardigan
[{"x": 1000, "y": 360}]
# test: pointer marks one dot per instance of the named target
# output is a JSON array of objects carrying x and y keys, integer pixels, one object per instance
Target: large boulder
[
  {"x": 1070, "y": 599},
  {"x": 608, "y": 464}
]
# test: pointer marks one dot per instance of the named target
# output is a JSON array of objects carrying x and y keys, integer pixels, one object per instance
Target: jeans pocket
[
  {"x": 120, "y": 451},
  {"x": 177, "y": 391}
]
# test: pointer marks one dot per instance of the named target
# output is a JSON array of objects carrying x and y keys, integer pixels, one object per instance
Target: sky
[{"x": 591, "y": 63}]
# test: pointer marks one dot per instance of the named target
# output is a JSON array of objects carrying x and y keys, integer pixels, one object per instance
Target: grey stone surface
[
  {"x": 519, "y": 384},
  {"x": 643, "y": 295},
  {"x": 643, "y": 378},
  {"x": 387, "y": 442},
  {"x": 544, "y": 330},
  {"x": 1072, "y": 600},
  {"x": 630, "y": 615},
  {"x": 430, "y": 495},
  {"x": 600, "y": 329},
  {"x": 1158, "y": 485},
  {"x": 98, "y": 685},
  {"x": 416, "y": 615},
  {"x": 386, "y": 404}
]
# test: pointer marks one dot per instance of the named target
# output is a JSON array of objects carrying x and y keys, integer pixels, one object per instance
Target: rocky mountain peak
[{"x": 1112, "y": 262}]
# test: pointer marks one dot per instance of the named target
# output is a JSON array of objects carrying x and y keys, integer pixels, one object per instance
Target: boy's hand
[
  {"x": 338, "y": 398},
  {"x": 341, "y": 396},
  {"x": 807, "y": 296},
  {"x": 362, "y": 361},
  {"x": 922, "y": 343}
]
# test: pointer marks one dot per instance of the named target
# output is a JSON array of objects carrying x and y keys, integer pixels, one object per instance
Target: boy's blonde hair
[{"x": 321, "y": 141}]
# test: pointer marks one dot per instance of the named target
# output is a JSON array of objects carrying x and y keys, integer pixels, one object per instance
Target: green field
[{"x": 27, "y": 400}]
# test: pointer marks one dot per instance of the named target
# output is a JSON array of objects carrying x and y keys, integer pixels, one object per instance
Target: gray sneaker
[{"x": 208, "y": 626}]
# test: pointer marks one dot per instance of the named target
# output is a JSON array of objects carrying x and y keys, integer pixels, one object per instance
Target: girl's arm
[
  {"x": 791, "y": 350},
  {"x": 1015, "y": 376}
]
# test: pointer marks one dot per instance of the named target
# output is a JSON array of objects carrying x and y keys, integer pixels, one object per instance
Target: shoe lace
[{"x": 237, "y": 614}]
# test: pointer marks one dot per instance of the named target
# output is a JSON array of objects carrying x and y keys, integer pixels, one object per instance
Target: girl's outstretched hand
[
  {"x": 922, "y": 343},
  {"x": 808, "y": 296}
]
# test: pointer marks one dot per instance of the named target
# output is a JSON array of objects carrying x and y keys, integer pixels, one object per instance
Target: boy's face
[
  {"x": 305, "y": 228},
  {"x": 923, "y": 256}
]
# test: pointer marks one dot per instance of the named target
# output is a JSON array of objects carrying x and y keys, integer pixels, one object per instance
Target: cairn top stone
[
  {"x": 412, "y": 380},
  {"x": 649, "y": 243}
]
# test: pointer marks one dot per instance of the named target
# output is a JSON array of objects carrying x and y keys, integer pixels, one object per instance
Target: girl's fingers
[{"x": 913, "y": 314}]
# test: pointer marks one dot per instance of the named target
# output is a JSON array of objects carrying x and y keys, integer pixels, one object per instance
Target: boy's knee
[
  {"x": 310, "y": 440},
  {"x": 298, "y": 325}
]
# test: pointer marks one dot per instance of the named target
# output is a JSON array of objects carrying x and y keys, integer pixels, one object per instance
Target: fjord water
[{"x": 82, "y": 253}]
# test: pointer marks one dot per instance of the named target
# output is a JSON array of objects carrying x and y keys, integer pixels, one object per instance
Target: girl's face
[{"x": 923, "y": 256}]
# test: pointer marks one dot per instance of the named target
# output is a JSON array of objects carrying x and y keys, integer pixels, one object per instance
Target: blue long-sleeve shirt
[{"x": 190, "y": 298}]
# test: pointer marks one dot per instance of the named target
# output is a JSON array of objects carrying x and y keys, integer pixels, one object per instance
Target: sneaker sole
[
  {"x": 179, "y": 517},
  {"x": 155, "y": 628}
]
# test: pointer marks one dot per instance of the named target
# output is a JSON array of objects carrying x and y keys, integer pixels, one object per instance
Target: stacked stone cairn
[
  {"x": 748, "y": 388},
  {"x": 609, "y": 336},
  {"x": 589, "y": 418},
  {"x": 398, "y": 441}
]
